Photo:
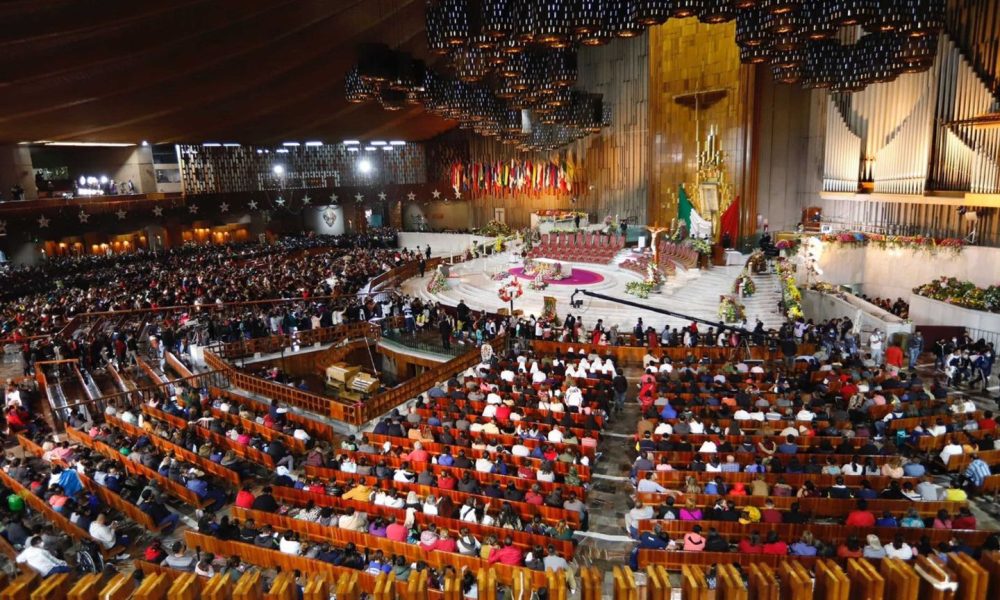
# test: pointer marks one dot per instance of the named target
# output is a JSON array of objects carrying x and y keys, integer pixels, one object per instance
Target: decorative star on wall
[
  {"x": 121, "y": 214},
  {"x": 333, "y": 198},
  {"x": 83, "y": 216},
  {"x": 458, "y": 194},
  {"x": 193, "y": 209},
  {"x": 411, "y": 196},
  {"x": 224, "y": 207},
  {"x": 306, "y": 199},
  {"x": 381, "y": 196},
  {"x": 280, "y": 201},
  {"x": 158, "y": 211},
  {"x": 358, "y": 198},
  {"x": 43, "y": 223},
  {"x": 252, "y": 205},
  {"x": 436, "y": 194}
]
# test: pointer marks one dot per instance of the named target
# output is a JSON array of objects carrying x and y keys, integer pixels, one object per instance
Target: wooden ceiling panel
[{"x": 259, "y": 71}]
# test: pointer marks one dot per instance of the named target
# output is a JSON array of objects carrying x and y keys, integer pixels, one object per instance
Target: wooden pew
[
  {"x": 106, "y": 496},
  {"x": 591, "y": 583},
  {"x": 341, "y": 537},
  {"x": 183, "y": 586},
  {"x": 814, "y": 507},
  {"x": 168, "y": 448},
  {"x": 485, "y": 478},
  {"x": 317, "y": 429},
  {"x": 693, "y": 584},
  {"x": 170, "y": 487},
  {"x": 973, "y": 578},
  {"x": 828, "y": 533},
  {"x": 865, "y": 580},
  {"x": 901, "y": 582},
  {"x": 153, "y": 587},
  {"x": 300, "y": 498},
  {"x": 831, "y": 581},
  {"x": 294, "y": 445},
  {"x": 763, "y": 583},
  {"x": 730, "y": 583},
  {"x": 119, "y": 587},
  {"x": 936, "y": 580},
  {"x": 798, "y": 578},
  {"x": 249, "y": 587},
  {"x": 42, "y": 507},
  {"x": 22, "y": 587},
  {"x": 87, "y": 587},
  {"x": 247, "y": 453},
  {"x": 550, "y": 515},
  {"x": 624, "y": 584}
]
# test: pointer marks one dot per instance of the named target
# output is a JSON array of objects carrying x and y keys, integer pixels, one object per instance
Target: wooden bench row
[
  {"x": 524, "y": 539},
  {"x": 811, "y": 507},
  {"x": 106, "y": 496},
  {"x": 169, "y": 486},
  {"x": 550, "y": 515},
  {"x": 171, "y": 449},
  {"x": 318, "y": 430},
  {"x": 247, "y": 453}
]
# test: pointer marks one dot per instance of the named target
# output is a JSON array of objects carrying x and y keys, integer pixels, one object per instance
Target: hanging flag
[
  {"x": 730, "y": 221},
  {"x": 684, "y": 207}
]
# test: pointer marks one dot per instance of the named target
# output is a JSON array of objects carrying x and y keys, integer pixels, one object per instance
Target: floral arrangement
[
  {"x": 757, "y": 263},
  {"x": 538, "y": 283},
  {"x": 791, "y": 297},
  {"x": 961, "y": 293},
  {"x": 560, "y": 214},
  {"x": 893, "y": 242},
  {"x": 731, "y": 310},
  {"x": 501, "y": 276},
  {"x": 744, "y": 285},
  {"x": 700, "y": 246},
  {"x": 494, "y": 229},
  {"x": 438, "y": 283},
  {"x": 640, "y": 289},
  {"x": 654, "y": 275},
  {"x": 510, "y": 291},
  {"x": 791, "y": 246}
]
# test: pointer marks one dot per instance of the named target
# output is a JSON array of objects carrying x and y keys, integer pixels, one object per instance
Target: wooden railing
[
  {"x": 248, "y": 453},
  {"x": 321, "y": 405},
  {"x": 304, "y": 338}
]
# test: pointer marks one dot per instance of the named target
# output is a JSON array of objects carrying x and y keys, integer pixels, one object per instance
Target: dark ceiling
[{"x": 248, "y": 71}]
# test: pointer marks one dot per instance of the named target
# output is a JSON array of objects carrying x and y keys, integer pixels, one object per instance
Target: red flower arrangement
[{"x": 511, "y": 291}]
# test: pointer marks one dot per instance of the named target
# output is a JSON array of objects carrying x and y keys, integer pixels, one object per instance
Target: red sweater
[
  {"x": 860, "y": 518},
  {"x": 508, "y": 555},
  {"x": 244, "y": 499}
]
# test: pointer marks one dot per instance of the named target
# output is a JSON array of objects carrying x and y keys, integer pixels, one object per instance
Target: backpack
[{"x": 89, "y": 558}]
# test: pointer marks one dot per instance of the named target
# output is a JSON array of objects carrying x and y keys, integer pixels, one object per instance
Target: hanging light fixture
[
  {"x": 586, "y": 16},
  {"x": 561, "y": 66},
  {"x": 497, "y": 18},
  {"x": 358, "y": 90},
  {"x": 717, "y": 11},
  {"x": 917, "y": 53},
  {"x": 455, "y": 15},
  {"x": 777, "y": 7},
  {"x": 750, "y": 28},
  {"x": 924, "y": 17},
  {"x": 376, "y": 62},
  {"x": 622, "y": 18},
  {"x": 682, "y": 9},
  {"x": 435, "y": 27},
  {"x": 554, "y": 26},
  {"x": 754, "y": 54},
  {"x": 846, "y": 13},
  {"x": 817, "y": 23},
  {"x": 652, "y": 12}
]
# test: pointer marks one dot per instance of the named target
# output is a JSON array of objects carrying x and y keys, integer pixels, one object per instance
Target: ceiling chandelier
[
  {"x": 898, "y": 36},
  {"x": 509, "y": 66}
]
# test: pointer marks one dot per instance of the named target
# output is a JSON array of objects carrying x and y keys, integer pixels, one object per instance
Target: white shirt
[
  {"x": 493, "y": 398},
  {"x": 507, "y": 375},
  {"x": 708, "y": 446},
  {"x": 805, "y": 415},
  {"x": 555, "y": 436},
  {"x": 663, "y": 429},
  {"x": 490, "y": 411},
  {"x": 520, "y": 450},
  {"x": 292, "y": 547},
  {"x": 666, "y": 368},
  {"x": 538, "y": 377},
  {"x": 104, "y": 534},
  {"x": 484, "y": 465},
  {"x": 949, "y": 451},
  {"x": 574, "y": 397},
  {"x": 741, "y": 415},
  {"x": 852, "y": 469},
  {"x": 905, "y": 553},
  {"x": 650, "y": 486},
  {"x": 545, "y": 477},
  {"x": 300, "y": 434},
  {"x": 39, "y": 559}
]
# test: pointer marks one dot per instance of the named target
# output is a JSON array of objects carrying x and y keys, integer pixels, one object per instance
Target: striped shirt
[{"x": 978, "y": 471}]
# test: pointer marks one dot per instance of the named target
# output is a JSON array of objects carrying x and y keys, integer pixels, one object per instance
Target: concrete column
[{"x": 16, "y": 168}]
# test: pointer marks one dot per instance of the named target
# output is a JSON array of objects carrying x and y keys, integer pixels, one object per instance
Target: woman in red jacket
[
  {"x": 775, "y": 546},
  {"x": 751, "y": 545}
]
